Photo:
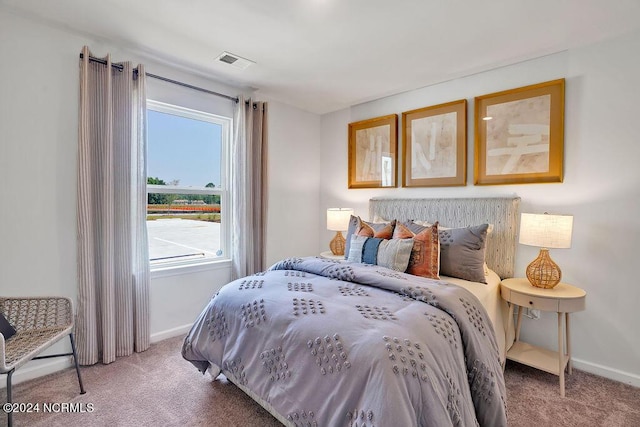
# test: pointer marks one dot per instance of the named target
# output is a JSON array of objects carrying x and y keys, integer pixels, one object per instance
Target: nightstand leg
[
  {"x": 566, "y": 327},
  {"x": 506, "y": 333},
  {"x": 561, "y": 354},
  {"x": 520, "y": 309},
  {"x": 510, "y": 320}
]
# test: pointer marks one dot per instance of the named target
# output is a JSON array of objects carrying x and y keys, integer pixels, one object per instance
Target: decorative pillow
[
  {"x": 395, "y": 253},
  {"x": 440, "y": 227},
  {"x": 5, "y": 328},
  {"x": 462, "y": 252},
  {"x": 383, "y": 230},
  {"x": 380, "y": 230},
  {"x": 370, "y": 250},
  {"x": 378, "y": 218},
  {"x": 355, "y": 249},
  {"x": 425, "y": 255}
]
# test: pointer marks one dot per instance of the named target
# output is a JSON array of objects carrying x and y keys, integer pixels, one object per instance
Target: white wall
[
  {"x": 38, "y": 142},
  {"x": 294, "y": 182},
  {"x": 601, "y": 189}
]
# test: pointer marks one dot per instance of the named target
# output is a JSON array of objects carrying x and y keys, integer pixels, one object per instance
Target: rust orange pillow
[
  {"x": 425, "y": 255},
  {"x": 380, "y": 230}
]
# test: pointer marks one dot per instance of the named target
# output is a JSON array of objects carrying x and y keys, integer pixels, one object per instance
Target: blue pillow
[{"x": 370, "y": 250}]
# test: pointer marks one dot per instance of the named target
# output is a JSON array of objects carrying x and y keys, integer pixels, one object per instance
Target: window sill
[{"x": 181, "y": 269}]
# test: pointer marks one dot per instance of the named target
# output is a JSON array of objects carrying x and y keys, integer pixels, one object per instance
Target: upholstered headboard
[{"x": 501, "y": 212}]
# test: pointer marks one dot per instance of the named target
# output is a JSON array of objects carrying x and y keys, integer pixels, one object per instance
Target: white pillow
[
  {"x": 429, "y": 224},
  {"x": 355, "y": 249}
]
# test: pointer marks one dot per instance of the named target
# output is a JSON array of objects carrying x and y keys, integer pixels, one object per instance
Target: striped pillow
[
  {"x": 395, "y": 254},
  {"x": 355, "y": 249}
]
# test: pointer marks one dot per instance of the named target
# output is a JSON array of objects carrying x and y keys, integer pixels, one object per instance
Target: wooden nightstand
[
  {"x": 330, "y": 255},
  {"x": 563, "y": 299}
]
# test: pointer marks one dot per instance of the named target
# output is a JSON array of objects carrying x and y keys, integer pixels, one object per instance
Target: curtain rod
[{"x": 155, "y": 76}]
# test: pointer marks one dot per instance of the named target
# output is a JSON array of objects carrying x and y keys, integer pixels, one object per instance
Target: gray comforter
[{"x": 332, "y": 343}]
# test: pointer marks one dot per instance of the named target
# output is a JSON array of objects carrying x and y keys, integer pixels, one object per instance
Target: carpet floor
[{"x": 159, "y": 388}]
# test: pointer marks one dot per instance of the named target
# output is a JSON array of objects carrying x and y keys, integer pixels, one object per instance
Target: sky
[{"x": 183, "y": 149}]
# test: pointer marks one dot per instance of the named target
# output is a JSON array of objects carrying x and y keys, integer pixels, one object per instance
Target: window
[{"x": 187, "y": 185}]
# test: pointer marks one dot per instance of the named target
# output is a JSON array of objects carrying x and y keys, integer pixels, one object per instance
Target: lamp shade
[
  {"x": 338, "y": 218},
  {"x": 546, "y": 231}
]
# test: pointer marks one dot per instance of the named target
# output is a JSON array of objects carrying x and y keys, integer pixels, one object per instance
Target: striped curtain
[
  {"x": 248, "y": 187},
  {"x": 113, "y": 263}
]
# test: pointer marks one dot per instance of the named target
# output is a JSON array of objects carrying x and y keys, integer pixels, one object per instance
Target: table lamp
[
  {"x": 338, "y": 221},
  {"x": 545, "y": 231}
]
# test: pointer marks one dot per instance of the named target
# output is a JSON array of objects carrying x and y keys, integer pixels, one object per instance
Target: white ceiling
[{"x": 324, "y": 55}]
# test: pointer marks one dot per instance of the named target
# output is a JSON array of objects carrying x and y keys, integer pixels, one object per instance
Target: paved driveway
[{"x": 183, "y": 238}]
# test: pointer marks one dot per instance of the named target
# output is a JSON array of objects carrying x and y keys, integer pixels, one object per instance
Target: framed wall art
[
  {"x": 519, "y": 135},
  {"x": 373, "y": 145},
  {"x": 434, "y": 145}
]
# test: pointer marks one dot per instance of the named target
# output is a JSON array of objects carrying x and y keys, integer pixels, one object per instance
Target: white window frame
[{"x": 222, "y": 191}]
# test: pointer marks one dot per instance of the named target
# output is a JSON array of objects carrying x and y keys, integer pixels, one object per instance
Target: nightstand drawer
[{"x": 538, "y": 303}]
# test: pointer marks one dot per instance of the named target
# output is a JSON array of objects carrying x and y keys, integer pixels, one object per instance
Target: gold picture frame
[
  {"x": 434, "y": 145},
  {"x": 373, "y": 145},
  {"x": 519, "y": 135}
]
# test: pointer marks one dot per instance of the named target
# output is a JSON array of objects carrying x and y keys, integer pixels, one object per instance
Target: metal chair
[{"x": 39, "y": 323}]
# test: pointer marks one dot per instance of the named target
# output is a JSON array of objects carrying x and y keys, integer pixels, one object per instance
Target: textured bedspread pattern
[{"x": 334, "y": 343}]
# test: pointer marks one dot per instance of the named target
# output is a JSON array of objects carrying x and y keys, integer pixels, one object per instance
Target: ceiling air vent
[{"x": 234, "y": 60}]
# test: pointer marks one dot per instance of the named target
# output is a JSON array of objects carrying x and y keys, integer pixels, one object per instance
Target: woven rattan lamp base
[
  {"x": 543, "y": 272},
  {"x": 337, "y": 245}
]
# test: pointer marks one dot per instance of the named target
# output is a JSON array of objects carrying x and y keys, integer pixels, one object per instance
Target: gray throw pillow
[{"x": 462, "y": 252}]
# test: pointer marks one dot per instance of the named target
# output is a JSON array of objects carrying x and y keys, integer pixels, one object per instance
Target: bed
[{"x": 321, "y": 342}]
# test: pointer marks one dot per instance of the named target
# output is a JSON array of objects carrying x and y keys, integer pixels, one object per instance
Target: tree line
[{"x": 167, "y": 199}]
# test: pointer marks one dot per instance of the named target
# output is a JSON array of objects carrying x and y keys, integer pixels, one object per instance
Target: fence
[{"x": 182, "y": 208}]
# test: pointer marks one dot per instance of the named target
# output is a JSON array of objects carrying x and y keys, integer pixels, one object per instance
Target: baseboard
[
  {"x": 39, "y": 368},
  {"x": 170, "y": 333},
  {"x": 607, "y": 372}
]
